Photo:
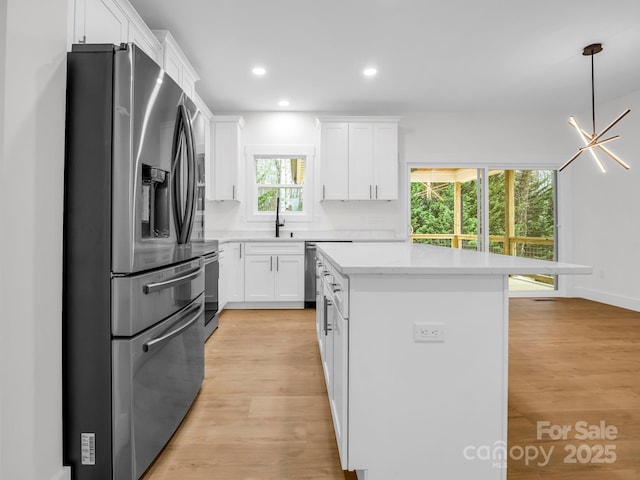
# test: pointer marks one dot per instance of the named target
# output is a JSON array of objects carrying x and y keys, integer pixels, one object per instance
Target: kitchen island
[{"x": 414, "y": 346}]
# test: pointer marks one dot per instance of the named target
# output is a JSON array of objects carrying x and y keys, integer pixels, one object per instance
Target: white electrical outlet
[{"x": 428, "y": 332}]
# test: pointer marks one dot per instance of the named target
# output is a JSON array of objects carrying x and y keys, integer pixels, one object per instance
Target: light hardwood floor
[
  {"x": 571, "y": 360},
  {"x": 263, "y": 413}
]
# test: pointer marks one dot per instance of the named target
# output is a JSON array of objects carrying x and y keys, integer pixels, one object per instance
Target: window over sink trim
[{"x": 305, "y": 152}]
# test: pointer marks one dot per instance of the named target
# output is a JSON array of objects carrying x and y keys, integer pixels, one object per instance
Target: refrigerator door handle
[
  {"x": 177, "y": 154},
  {"x": 191, "y": 177},
  {"x": 157, "y": 286},
  {"x": 183, "y": 209},
  {"x": 165, "y": 338}
]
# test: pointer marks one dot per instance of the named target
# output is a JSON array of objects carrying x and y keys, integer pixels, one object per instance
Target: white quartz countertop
[
  {"x": 308, "y": 236},
  {"x": 416, "y": 259}
]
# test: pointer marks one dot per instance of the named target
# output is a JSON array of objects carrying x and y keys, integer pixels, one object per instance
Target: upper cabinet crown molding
[{"x": 238, "y": 119}]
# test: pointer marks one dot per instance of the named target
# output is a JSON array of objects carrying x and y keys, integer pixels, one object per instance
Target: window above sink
[{"x": 280, "y": 171}]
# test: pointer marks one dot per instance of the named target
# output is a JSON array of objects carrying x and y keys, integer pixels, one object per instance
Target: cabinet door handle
[
  {"x": 376, "y": 191},
  {"x": 370, "y": 195},
  {"x": 271, "y": 264},
  {"x": 278, "y": 263},
  {"x": 240, "y": 250},
  {"x": 233, "y": 192},
  {"x": 327, "y": 303},
  {"x": 324, "y": 190}
]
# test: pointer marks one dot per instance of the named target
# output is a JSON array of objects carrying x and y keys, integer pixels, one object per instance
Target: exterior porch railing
[{"x": 541, "y": 248}]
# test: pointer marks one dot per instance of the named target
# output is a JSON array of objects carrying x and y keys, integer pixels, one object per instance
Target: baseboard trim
[
  {"x": 621, "y": 301},
  {"x": 64, "y": 474}
]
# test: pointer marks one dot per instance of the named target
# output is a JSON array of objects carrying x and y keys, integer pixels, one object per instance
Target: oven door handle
[
  {"x": 157, "y": 286},
  {"x": 165, "y": 338}
]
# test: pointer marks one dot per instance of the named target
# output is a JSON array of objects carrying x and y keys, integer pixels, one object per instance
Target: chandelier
[{"x": 594, "y": 142}]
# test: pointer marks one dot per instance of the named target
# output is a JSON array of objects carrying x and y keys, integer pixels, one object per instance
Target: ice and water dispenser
[{"x": 155, "y": 202}]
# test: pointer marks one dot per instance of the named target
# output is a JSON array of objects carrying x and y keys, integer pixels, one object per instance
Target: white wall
[
  {"x": 485, "y": 138},
  {"x": 31, "y": 193},
  {"x": 606, "y": 209}
]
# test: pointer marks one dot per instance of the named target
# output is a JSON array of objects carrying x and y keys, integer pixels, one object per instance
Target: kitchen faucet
[{"x": 278, "y": 224}]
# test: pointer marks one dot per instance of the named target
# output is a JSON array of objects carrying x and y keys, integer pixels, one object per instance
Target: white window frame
[{"x": 307, "y": 152}]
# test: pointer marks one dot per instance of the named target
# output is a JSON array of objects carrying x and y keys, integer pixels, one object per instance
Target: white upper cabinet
[
  {"x": 359, "y": 158},
  {"x": 201, "y": 123},
  {"x": 227, "y": 146},
  {"x": 176, "y": 64},
  {"x": 111, "y": 21},
  {"x": 334, "y": 160},
  {"x": 385, "y": 161},
  {"x": 360, "y": 161},
  {"x": 104, "y": 22}
]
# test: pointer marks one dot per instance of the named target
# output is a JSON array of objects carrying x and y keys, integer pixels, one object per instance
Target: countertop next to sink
[
  {"x": 416, "y": 259},
  {"x": 306, "y": 236}
]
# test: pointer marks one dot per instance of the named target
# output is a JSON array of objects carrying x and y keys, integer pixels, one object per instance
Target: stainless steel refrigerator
[{"x": 133, "y": 302}]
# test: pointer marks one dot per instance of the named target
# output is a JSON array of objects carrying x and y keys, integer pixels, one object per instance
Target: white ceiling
[{"x": 445, "y": 55}]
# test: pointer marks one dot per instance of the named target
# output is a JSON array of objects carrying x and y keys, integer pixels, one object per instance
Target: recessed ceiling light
[
  {"x": 259, "y": 71},
  {"x": 369, "y": 72},
  {"x": 283, "y": 103}
]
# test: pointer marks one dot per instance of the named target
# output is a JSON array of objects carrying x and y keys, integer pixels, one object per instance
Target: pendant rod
[{"x": 593, "y": 98}]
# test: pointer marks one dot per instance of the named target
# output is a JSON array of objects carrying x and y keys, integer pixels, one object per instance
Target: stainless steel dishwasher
[{"x": 310, "y": 271}]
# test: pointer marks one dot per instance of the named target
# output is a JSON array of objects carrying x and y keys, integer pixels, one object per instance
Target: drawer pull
[
  {"x": 165, "y": 338},
  {"x": 157, "y": 286}
]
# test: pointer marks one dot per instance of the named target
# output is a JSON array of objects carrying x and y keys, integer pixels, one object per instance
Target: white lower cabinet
[
  {"x": 259, "y": 278},
  {"x": 333, "y": 338},
  {"x": 274, "y": 272},
  {"x": 339, "y": 398},
  {"x": 289, "y": 278},
  {"x": 223, "y": 275},
  {"x": 232, "y": 272}
]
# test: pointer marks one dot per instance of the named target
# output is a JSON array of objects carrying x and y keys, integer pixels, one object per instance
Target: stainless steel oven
[{"x": 211, "y": 296}]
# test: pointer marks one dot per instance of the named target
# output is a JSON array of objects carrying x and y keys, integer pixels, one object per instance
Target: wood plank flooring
[
  {"x": 263, "y": 413},
  {"x": 571, "y": 360}
]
